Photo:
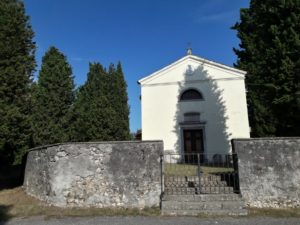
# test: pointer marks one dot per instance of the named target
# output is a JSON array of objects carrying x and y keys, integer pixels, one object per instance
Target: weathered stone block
[
  {"x": 103, "y": 174},
  {"x": 269, "y": 171}
]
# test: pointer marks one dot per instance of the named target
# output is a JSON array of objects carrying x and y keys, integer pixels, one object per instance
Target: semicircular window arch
[{"x": 191, "y": 95}]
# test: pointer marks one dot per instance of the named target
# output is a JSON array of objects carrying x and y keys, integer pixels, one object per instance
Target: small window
[
  {"x": 191, "y": 117},
  {"x": 191, "y": 94}
]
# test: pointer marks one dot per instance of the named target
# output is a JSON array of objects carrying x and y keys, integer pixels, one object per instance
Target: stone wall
[
  {"x": 269, "y": 171},
  {"x": 104, "y": 174}
]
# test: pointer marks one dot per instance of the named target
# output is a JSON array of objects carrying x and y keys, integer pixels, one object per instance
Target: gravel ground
[{"x": 151, "y": 221}]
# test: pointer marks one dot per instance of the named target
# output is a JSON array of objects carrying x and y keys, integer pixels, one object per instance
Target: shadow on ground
[
  {"x": 10, "y": 177},
  {"x": 4, "y": 215}
]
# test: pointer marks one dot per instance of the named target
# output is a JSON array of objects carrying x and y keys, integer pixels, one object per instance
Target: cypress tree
[
  {"x": 94, "y": 116},
  {"x": 270, "y": 53},
  {"x": 101, "y": 110},
  {"x": 120, "y": 103},
  {"x": 53, "y": 97},
  {"x": 16, "y": 66}
]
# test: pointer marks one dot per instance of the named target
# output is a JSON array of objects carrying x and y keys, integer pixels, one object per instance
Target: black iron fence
[{"x": 196, "y": 173}]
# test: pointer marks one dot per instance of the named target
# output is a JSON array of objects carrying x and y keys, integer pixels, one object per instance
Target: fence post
[
  {"x": 161, "y": 176},
  {"x": 236, "y": 172},
  {"x": 199, "y": 172}
]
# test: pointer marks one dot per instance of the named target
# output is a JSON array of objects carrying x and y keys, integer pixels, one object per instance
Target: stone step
[
  {"x": 214, "y": 190},
  {"x": 179, "y": 191},
  {"x": 203, "y": 197},
  {"x": 203, "y": 190},
  {"x": 196, "y": 183},
  {"x": 203, "y": 178},
  {"x": 178, "y": 184},
  {"x": 208, "y": 205},
  {"x": 212, "y": 184},
  {"x": 235, "y": 212},
  {"x": 212, "y": 205}
]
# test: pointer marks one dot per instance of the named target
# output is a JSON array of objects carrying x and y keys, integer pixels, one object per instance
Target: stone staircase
[{"x": 184, "y": 196}]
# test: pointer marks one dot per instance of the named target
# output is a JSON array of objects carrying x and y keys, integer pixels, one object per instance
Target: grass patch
[
  {"x": 277, "y": 213},
  {"x": 173, "y": 169},
  {"x": 15, "y": 203}
]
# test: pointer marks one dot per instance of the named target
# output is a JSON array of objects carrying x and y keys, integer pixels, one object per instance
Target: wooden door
[{"x": 193, "y": 144}]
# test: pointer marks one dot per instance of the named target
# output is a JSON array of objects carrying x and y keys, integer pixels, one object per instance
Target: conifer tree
[
  {"x": 121, "y": 104},
  {"x": 16, "y": 66},
  {"x": 52, "y": 100},
  {"x": 270, "y": 52},
  {"x": 94, "y": 116}
]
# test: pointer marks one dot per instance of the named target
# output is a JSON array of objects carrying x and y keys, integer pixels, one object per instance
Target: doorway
[{"x": 193, "y": 145}]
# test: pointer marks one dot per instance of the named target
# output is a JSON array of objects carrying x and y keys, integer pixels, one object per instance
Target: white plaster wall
[{"x": 224, "y": 96}]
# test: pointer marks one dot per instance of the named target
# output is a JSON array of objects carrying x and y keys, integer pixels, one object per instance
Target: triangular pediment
[{"x": 191, "y": 68}]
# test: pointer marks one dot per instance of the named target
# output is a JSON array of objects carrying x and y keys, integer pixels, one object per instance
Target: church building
[{"x": 195, "y": 106}]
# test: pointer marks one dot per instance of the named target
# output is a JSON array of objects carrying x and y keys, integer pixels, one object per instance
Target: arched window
[{"x": 191, "y": 94}]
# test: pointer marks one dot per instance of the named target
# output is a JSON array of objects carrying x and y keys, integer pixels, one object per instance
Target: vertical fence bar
[
  {"x": 199, "y": 172},
  {"x": 229, "y": 173},
  {"x": 161, "y": 176},
  {"x": 236, "y": 172}
]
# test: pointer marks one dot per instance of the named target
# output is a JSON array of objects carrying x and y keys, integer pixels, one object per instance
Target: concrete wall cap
[
  {"x": 91, "y": 142},
  {"x": 266, "y": 138}
]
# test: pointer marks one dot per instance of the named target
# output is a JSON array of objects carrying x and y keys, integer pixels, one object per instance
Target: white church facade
[{"x": 195, "y": 106}]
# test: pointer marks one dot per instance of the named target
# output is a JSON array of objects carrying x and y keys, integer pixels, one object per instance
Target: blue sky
[{"x": 144, "y": 35}]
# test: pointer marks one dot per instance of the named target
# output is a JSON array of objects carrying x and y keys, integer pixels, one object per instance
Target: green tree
[
  {"x": 120, "y": 104},
  {"x": 16, "y": 67},
  {"x": 101, "y": 110},
  {"x": 93, "y": 115},
  {"x": 52, "y": 100},
  {"x": 270, "y": 52}
]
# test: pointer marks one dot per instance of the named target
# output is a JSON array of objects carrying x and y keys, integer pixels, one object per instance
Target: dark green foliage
[
  {"x": 52, "y": 100},
  {"x": 138, "y": 135},
  {"x": 120, "y": 104},
  {"x": 93, "y": 112},
  {"x": 99, "y": 107},
  {"x": 270, "y": 52},
  {"x": 16, "y": 66}
]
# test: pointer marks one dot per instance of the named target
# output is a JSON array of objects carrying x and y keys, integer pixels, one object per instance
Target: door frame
[
  {"x": 192, "y": 127},
  {"x": 193, "y": 138}
]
